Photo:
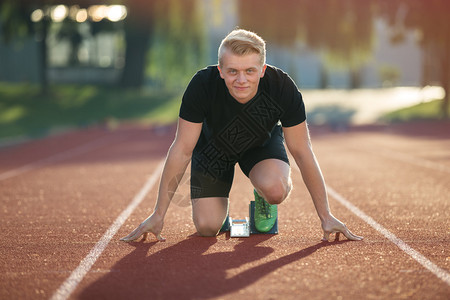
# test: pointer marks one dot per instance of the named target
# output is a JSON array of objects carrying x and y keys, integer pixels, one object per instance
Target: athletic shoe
[
  {"x": 265, "y": 214},
  {"x": 226, "y": 224}
]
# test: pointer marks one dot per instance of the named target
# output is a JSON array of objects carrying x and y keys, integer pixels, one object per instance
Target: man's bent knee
[
  {"x": 276, "y": 191},
  {"x": 271, "y": 178}
]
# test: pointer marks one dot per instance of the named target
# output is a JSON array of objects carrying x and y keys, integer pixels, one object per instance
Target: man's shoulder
[
  {"x": 204, "y": 79},
  {"x": 208, "y": 73},
  {"x": 274, "y": 79},
  {"x": 275, "y": 72}
]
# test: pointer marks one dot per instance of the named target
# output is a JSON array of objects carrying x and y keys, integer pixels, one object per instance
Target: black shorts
[{"x": 205, "y": 184}]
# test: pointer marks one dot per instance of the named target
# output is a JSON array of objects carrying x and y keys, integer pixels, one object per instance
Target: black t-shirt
[{"x": 236, "y": 127}]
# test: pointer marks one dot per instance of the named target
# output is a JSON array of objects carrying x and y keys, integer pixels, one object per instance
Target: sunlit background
[{"x": 324, "y": 45}]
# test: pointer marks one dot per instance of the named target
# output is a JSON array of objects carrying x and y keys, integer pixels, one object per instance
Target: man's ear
[
  {"x": 263, "y": 71},
  {"x": 220, "y": 72}
]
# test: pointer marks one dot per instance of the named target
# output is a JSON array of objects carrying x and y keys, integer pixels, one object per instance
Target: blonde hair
[{"x": 243, "y": 42}]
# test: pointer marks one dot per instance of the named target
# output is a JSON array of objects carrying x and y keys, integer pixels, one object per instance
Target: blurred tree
[
  {"x": 69, "y": 31},
  {"x": 179, "y": 47},
  {"x": 164, "y": 40},
  {"x": 14, "y": 19},
  {"x": 15, "y": 22},
  {"x": 340, "y": 29},
  {"x": 138, "y": 29},
  {"x": 346, "y": 36},
  {"x": 430, "y": 20},
  {"x": 279, "y": 21}
]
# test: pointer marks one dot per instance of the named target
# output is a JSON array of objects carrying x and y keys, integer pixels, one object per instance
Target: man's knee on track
[{"x": 207, "y": 228}]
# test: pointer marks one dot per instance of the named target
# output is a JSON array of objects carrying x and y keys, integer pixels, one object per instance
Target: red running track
[{"x": 66, "y": 201}]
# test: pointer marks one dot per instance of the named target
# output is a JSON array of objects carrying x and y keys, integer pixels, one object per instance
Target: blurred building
[{"x": 80, "y": 52}]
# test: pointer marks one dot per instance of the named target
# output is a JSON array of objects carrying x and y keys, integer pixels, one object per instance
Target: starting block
[
  {"x": 239, "y": 228},
  {"x": 245, "y": 227}
]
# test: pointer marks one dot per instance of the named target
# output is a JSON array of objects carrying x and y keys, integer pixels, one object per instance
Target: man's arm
[
  {"x": 299, "y": 145},
  {"x": 177, "y": 160}
]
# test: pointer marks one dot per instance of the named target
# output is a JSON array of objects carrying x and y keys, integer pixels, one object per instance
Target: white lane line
[
  {"x": 439, "y": 272},
  {"x": 57, "y": 158},
  {"x": 68, "y": 286}
]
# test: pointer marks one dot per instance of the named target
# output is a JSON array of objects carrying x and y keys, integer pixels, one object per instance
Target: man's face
[{"x": 242, "y": 74}]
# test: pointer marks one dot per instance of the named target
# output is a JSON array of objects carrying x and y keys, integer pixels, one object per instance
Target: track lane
[
  {"x": 297, "y": 264},
  {"x": 410, "y": 198},
  {"x": 425, "y": 262},
  {"x": 53, "y": 216},
  {"x": 290, "y": 265},
  {"x": 71, "y": 283},
  {"x": 30, "y": 152}
]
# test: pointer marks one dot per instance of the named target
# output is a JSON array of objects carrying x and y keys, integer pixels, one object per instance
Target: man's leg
[
  {"x": 272, "y": 182},
  {"x": 209, "y": 214},
  {"x": 271, "y": 179}
]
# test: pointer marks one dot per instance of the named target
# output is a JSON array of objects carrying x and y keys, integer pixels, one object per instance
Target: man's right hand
[
  {"x": 333, "y": 225},
  {"x": 153, "y": 224}
]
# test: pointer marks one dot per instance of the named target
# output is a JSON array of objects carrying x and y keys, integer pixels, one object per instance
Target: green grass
[
  {"x": 25, "y": 112},
  {"x": 424, "y": 111}
]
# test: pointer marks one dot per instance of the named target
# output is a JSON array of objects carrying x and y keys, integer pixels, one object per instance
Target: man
[{"x": 241, "y": 111}]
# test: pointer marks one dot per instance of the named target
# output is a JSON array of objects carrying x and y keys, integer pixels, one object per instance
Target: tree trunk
[
  {"x": 135, "y": 58},
  {"x": 43, "y": 78},
  {"x": 138, "y": 27}
]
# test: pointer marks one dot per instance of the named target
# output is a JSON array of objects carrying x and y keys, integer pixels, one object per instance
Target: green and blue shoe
[{"x": 265, "y": 214}]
